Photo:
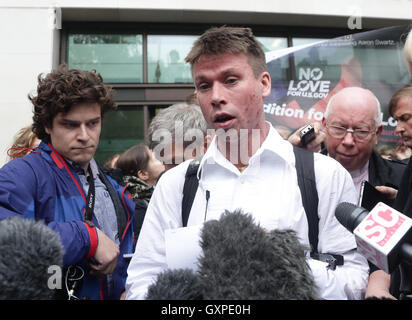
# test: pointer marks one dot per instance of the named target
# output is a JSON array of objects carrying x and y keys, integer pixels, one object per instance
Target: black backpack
[{"x": 307, "y": 184}]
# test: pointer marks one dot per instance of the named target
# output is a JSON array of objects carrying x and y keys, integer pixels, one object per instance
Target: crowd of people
[{"x": 113, "y": 219}]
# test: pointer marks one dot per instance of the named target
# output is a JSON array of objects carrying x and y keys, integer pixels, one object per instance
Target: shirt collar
[
  {"x": 274, "y": 145},
  {"x": 277, "y": 146},
  {"x": 79, "y": 170}
]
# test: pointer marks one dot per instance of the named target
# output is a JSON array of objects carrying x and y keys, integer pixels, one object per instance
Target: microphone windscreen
[
  {"x": 178, "y": 284},
  {"x": 242, "y": 261},
  {"x": 28, "y": 249}
]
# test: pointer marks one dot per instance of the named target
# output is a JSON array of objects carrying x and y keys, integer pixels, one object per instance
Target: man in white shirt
[{"x": 248, "y": 166}]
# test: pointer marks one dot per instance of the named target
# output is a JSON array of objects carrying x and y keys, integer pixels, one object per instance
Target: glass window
[
  {"x": 327, "y": 58},
  {"x": 166, "y": 56},
  {"x": 154, "y": 110},
  {"x": 302, "y": 41},
  {"x": 386, "y": 64},
  {"x": 277, "y": 69},
  {"x": 121, "y": 129},
  {"x": 272, "y": 43},
  {"x": 117, "y": 57}
]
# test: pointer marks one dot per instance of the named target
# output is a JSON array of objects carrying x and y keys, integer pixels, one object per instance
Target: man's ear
[
  {"x": 47, "y": 130},
  {"x": 266, "y": 82},
  {"x": 143, "y": 175},
  {"x": 324, "y": 123},
  {"x": 378, "y": 133}
]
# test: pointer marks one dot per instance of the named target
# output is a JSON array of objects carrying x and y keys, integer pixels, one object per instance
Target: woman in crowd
[
  {"x": 24, "y": 142},
  {"x": 140, "y": 170}
]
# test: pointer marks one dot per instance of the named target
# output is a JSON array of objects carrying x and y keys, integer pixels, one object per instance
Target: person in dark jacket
[
  {"x": 400, "y": 108},
  {"x": 60, "y": 183},
  {"x": 140, "y": 170},
  {"x": 350, "y": 129}
]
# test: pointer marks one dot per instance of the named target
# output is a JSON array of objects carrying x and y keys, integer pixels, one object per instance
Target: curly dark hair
[{"x": 63, "y": 88}]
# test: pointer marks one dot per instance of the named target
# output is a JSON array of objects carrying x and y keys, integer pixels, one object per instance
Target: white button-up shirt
[{"x": 268, "y": 190}]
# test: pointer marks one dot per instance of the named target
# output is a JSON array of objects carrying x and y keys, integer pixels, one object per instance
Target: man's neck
[
  {"x": 361, "y": 171},
  {"x": 240, "y": 148}
]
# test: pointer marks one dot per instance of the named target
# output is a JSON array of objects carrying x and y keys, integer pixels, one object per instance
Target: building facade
[{"x": 139, "y": 48}]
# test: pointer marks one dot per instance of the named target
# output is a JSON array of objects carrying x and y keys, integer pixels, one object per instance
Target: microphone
[
  {"x": 241, "y": 261},
  {"x": 28, "y": 249},
  {"x": 179, "y": 284},
  {"x": 383, "y": 235}
]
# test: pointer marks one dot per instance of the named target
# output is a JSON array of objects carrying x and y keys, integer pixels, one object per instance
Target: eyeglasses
[{"x": 340, "y": 132}]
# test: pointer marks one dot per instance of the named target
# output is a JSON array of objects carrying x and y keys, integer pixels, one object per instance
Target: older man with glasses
[
  {"x": 352, "y": 125},
  {"x": 350, "y": 129}
]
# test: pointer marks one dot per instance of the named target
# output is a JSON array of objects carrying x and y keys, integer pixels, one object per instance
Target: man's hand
[
  {"x": 378, "y": 285},
  {"x": 389, "y": 192},
  {"x": 315, "y": 144},
  {"x": 105, "y": 259}
]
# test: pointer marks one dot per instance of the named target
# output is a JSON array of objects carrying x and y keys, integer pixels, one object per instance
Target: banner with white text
[{"x": 304, "y": 78}]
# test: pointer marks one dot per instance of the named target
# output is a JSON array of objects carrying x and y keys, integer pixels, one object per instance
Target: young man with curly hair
[{"x": 60, "y": 183}]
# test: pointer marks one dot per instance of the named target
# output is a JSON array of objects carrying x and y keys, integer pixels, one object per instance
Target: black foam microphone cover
[{"x": 27, "y": 250}]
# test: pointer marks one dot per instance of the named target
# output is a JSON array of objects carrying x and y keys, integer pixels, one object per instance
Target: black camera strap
[{"x": 88, "y": 215}]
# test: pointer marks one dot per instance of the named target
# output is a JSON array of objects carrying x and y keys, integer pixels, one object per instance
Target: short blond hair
[{"x": 220, "y": 40}]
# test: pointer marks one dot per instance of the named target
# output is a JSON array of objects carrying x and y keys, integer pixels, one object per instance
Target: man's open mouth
[{"x": 223, "y": 118}]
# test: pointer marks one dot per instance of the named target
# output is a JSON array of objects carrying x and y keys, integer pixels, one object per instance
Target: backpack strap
[
  {"x": 189, "y": 189},
  {"x": 305, "y": 170}
]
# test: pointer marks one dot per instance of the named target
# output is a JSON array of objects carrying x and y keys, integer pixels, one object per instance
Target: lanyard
[{"x": 88, "y": 215}]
